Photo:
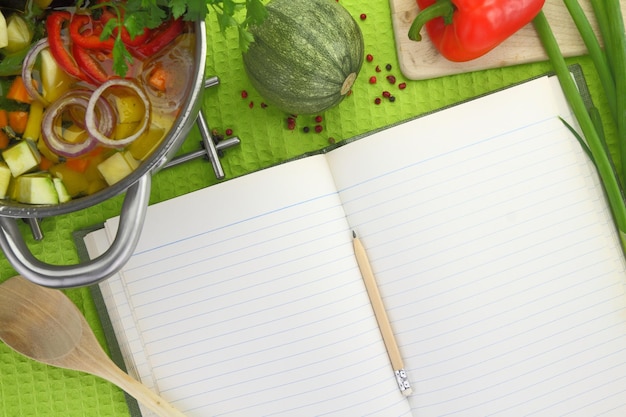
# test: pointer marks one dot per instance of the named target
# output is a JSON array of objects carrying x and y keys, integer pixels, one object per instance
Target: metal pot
[{"x": 137, "y": 188}]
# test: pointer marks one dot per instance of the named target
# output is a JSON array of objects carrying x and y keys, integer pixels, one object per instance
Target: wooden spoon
[{"x": 44, "y": 325}]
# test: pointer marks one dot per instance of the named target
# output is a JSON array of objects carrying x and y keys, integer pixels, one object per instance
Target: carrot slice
[
  {"x": 4, "y": 121},
  {"x": 17, "y": 91},
  {"x": 77, "y": 164},
  {"x": 45, "y": 163},
  {"x": 18, "y": 120},
  {"x": 4, "y": 118},
  {"x": 158, "y": 78},
  {"x": 4, "y": 140}
]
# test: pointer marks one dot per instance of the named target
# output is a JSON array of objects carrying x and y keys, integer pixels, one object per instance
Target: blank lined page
[
  {"x": 248, "y": 302},
  {"x": 496, "y": 257},
  {"x": 491, "y": 242}
]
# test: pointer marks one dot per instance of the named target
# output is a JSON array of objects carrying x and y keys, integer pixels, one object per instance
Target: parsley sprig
[{"x": 135, "y": 15}]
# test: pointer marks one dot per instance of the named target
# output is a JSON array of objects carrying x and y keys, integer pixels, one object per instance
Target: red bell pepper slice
[
  {"x": 126, "y": 38},
  {"x": 137, "y": 40},
  {"x": 85, "y": 32},
  {"x": 90, "y": 66},
  {"x": 161, "y": 36},
  {"x": 54, "y": 25},
  {"x": 463, "y": 30}
]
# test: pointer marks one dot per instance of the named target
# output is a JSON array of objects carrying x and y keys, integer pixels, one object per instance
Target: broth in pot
[{"x": 90, "y": 129}]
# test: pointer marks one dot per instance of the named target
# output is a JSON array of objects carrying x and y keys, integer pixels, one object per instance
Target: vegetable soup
[{"x": 73, "y": 119}]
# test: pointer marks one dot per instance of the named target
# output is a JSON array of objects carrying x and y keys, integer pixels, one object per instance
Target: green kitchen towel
[{"x": 30, "y": 389}]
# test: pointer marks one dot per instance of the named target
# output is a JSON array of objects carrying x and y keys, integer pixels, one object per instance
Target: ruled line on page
[{"x": 464, "y": 243}]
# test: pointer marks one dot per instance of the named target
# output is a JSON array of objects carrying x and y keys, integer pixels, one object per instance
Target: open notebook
[{"x": 490, "y": 239}]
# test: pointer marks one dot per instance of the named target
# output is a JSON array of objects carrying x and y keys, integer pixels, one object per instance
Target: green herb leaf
[
  {"x": 256, "y": 12},
  {"x": 121, "y": 57},
  {"x": 135, "y": 15},
  {"x": 245, "y": 39}
]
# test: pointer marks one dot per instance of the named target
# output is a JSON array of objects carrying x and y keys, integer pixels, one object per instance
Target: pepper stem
[{"x": 441, "y": 8}]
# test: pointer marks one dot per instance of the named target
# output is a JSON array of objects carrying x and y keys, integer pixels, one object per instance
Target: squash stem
[{"x": 600, "y": 157}]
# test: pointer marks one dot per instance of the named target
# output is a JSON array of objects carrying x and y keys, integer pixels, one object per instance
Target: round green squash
[{"x": 305, "y": 56}]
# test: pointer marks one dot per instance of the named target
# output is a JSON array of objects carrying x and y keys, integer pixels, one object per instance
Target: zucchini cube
[{"x": 22, "y": 158}]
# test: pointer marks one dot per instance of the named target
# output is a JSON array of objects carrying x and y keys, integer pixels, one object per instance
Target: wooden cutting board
[{"x": 420, "y": 60}]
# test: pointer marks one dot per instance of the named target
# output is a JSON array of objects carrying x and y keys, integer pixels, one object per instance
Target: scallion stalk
[
  {"x": 599, "y": 153},
  {"x": 599, "y": 11},
  {"x": 595, "y": 52},
  {"x": 617, "y": 52}
]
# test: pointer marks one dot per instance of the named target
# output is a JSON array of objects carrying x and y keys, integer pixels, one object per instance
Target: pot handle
[{"x": 132, "y": 217}]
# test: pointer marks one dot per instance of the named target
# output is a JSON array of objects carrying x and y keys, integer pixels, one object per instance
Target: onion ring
[
  {"x": 90, "y": 116},
  {"x": 79, "y": 98},
  {"x": 27, "y": 70},
  {"x": 106, "y": 112}
]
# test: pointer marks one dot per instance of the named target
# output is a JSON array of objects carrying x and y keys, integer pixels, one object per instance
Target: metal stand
[{"x": 209, "y": 149}]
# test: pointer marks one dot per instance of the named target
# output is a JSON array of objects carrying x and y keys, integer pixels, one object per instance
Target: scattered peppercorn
[
  {"x": 229, "y": 132},
  {"x": 331, "y": 140},
  {"x": 391, "y": 79},
  {"x": 377, "y": 68},
  {"x": 388, "y": 67},
  {"x": 386, "y": 94},
  {"x": 318, "y": 128},
  {"x": 244, "y": 94},
  {"x": 372, "y": 80},
  {"x": 377, "y": 101},
  {"x": 251, "y": 104},
  {"x": 402, "y": 86},
  {"x": 291, "y": 123},
  {"x": 318, "y": 119},
  {"x": 306, "y": 129},
  {"x": 363, "y": 16},
  {"x": 263, "y": 105},
  {"x": 369, "y": 57},
  {"x": 392, "y": 98}
]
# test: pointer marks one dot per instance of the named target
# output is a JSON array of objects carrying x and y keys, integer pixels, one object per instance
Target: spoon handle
[{"x": 142, "y": 394}]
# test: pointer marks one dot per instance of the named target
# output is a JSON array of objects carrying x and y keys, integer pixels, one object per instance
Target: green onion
[
  {"x": 595, "y": 52},
  {"x": 594, "y": 140},
  {"x": 617, "y": 54}
]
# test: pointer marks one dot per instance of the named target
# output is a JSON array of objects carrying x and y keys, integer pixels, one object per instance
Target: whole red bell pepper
[{"x": 463, "y": 30}]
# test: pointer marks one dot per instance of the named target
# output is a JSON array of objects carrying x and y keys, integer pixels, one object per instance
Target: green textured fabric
[{"x": 31, "y": 389}]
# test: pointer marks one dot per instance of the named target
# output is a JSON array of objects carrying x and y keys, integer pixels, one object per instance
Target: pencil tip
[{"x": 354, "y": 234}]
